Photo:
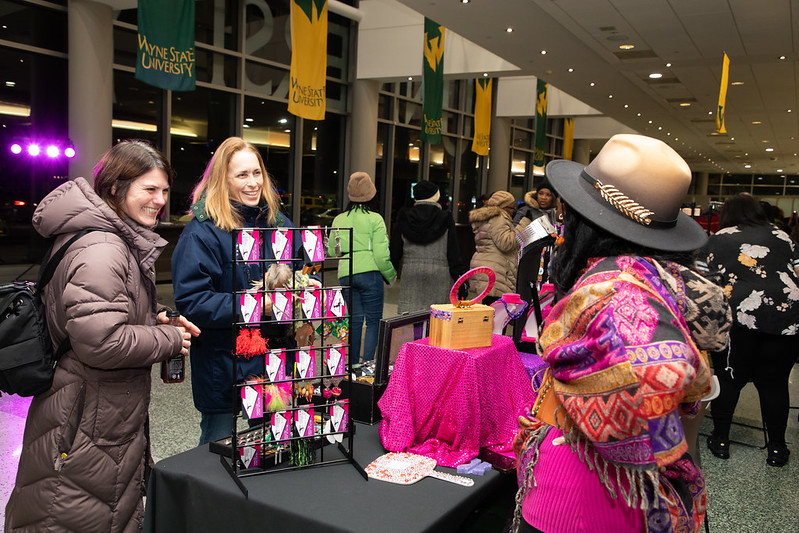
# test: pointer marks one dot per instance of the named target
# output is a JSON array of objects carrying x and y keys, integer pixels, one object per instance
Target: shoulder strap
[{"x": 48, "y": 268}]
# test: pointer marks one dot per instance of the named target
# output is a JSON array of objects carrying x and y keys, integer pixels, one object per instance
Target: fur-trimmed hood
[
  {"x": 529, "y": 199},
  {"x": 481, "y": 214}
]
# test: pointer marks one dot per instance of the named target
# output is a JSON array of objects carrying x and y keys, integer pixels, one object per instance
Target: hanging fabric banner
[
  {"x": 432, "y": 82},
  {"x": 165, "y": 57},
  {"x": 482, "y": 115},
  {"x": 540, "y": 122},
  {"x": 308, "y": 58},
  {"x": 725, "y": 74},
  {"x": 568, "y": 138}
]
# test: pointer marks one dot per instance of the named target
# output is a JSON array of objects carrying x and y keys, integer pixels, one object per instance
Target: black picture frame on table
[{"x": 229, "y": 450}]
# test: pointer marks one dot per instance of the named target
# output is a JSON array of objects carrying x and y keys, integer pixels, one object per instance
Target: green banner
[
  {"x": 165, "y": 57},
  {"x": 540, "y": 122},
  {"x": 432, "y": 82}
]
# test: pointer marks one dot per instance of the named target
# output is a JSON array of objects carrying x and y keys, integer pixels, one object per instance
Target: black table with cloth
[{"x": 193, "y": 492}]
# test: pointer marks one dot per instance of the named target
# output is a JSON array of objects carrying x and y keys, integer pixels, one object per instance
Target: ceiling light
[
  {"x": 755, "y": 122},
  {"x": 782, "y": 57},
  {"x": 283, "y": 120},
  {"x": 626, "y": 106},
  {"x": 485, "y": 74},
  {"x": 660, "y": 128},
  {"x": 245, "y": 125},
  {"x": 747, "y": 166},
  {"x": 779, "y": 170},
  {"x": 685, "y": 104},
  {"x": 769, "y": 149},
  {"x": 626, "y": 46},
  {"x": 650, "y": 122},
  {"x": 11, "y": 84},
  {"x": 668, "y": 65},
  {"x": 789, "y": 111},
  {"x": 710, "y": 112},
  {"x": 592, "y": 84},
  {"x": 464, "y": 1},
  {"x": 655, "y": 75},
  {"x": 509, "y": 30},
  {"x": 638, "y": 115},
  {"x": 610, "y": 96},
  {"x": 249, "y": 119},
  {"x": 571, "y": 70},
  {"x": 543, "y": 52},
  {"x": 410, "y": 78},
  {"x": 737, "y": 83}
]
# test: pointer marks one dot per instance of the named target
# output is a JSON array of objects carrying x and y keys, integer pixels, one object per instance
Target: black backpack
[{"x": 27, "y": 361}]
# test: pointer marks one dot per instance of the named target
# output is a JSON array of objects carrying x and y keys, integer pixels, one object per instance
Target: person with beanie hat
[
  {"x": 371, "y": 261},
  {"x": 495, "y": 245},
  {"x": 530, "y": 210},
  {"x": 425, "y": 251}
]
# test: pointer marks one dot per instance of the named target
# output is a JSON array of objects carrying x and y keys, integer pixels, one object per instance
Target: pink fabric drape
[{"x": 446, "y": 404}]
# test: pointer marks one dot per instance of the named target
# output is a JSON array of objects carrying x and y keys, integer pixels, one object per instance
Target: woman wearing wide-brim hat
[{"x": 603, "y": 449}]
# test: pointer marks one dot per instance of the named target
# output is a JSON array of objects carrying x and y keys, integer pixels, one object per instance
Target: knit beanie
[
  {"x": 426, "y": 191},
  {"x": 547, "y": 186},
  {"x": 360, "y": 188},
  {"x": 502, "y": 199}
]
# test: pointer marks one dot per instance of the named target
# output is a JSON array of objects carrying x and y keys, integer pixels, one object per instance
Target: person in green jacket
[{"x": 371, "y": 261}]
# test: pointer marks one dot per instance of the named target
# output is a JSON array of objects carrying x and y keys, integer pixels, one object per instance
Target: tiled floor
[{"x": 745, "y": 494}]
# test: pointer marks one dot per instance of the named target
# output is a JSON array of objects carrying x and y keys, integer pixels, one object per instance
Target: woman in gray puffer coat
[
  {"x": 85, "y": 449},
  {"x": 495, "y": 245}
]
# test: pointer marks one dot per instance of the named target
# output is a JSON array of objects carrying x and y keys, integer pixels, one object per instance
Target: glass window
[
  {"x": 450, "y": 122},
  {"x": 452, "y": 94},
  {"x": 737, "y": 179},
  {"x": 136, "y": 109},
  {"x": 32, "y": 112},
  {"x": 409, "y": 113},
  {"x": 215, "y": 68},
  {"x": 125, "y": 47},
  {"x": 201, "y": 120},
  {"x": 442, "y": 167},
  {"x": 266, "y": 80},
  {"x": 267, "y": 28},
  {"x": 407, "y": 170},
  {"x": 268, "y": 125},
  {"x": 34, "y": 25},
  {"x": 769, "y": 180},
  {"x": 216, "y": 23},
  {"x": 469, "y": 187},
  {"x": 384, "y": 107},
  {"x": 767, "y": 191},
  {"x": 522, "y": 138},
  {"x": 322, "y": 147}
]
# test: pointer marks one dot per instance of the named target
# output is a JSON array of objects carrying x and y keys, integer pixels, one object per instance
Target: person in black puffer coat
[{"x": 424, "y": 249}]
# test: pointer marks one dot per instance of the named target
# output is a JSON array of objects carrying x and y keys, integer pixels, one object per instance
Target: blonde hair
[{"x": 215, "y": 187}]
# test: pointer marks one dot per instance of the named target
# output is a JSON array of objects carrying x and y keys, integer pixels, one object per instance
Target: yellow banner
[
  {"x": 725, "y": 74},
  {"x": 308, "y": 58},
  {"x": 482, "y": 116},
  {"x": 568, "y": 138}
]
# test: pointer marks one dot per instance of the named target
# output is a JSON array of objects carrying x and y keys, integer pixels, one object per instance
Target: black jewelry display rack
[{"x": 291, "y": 433}]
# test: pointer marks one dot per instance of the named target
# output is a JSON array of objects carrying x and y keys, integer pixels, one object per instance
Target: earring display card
[
  {"x": 335, "y": 360},
  {"x": 312, "y": 243},
  {"x": 281, "y": 305},
  {"x": 340, "y": 415},
  {"x": 248, "y": 245},
  {"x": 306, "y": 363},
  {"x": 282, "y": 244},
  {"x": 250, "y": 307},
  {"x": 250, "y": 456},
  {"x": 252, "y": 401},
  {"x": 281, "y": 425},
  {"x": 276, "y": 365},
  {"x": 334, "y": 303},
  {"x": 304, "y": 421},
  {"x": 311, "y": 304}
]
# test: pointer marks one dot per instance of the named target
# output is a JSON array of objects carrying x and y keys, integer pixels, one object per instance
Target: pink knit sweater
[{"x": 569, "y": 498}]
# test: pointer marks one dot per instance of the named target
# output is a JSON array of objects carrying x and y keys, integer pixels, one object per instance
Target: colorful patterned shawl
[{"x": 625, "y": 367}]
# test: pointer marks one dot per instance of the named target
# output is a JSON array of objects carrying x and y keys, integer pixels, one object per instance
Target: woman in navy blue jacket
[{"x": 234, "y": 192}]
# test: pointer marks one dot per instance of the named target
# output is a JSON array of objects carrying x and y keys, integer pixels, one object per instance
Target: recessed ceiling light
[
  {"x": 685, "y": 104},
  {"x": 650, "y": 122},
  {"x": 410, "y": 78},
  {"x": 283, "y": 120},
  {"x": 710, "y": 112},
  {"x": 655, "y": 75},
  {"x": 782, "y": 57},
  {"x": 660, "y": 128},
  {"x": 571, "y": 70},
  {"x": 769, "y": 149},
  {"x": 287, "y": 131},
  {"x": 626, "y": 106},
  {"x": 668, "y": 65},
  {"x": 626, "y": 46},
  {"x": 11, "y": 84},
  {"x": 246, "y": 125},
  {"x": 509, "y": 30},
  {"x": 249, "y": 119},
  {"x": 543, "y": 52},
  {"x": 737, "y": 83},
  {"x": 464, "y": 1},
  {"x": 756, "y": 122},
  {"x": 789, "y": 111},
  {"x": 610, "y": 96},
  {"x": 747, "y": 166},
  {"x": 485, "y": 74},
  {"x": 779, "y": 170},
  {"x": 592, "y": 84},
  {"x": 638, "y": 114}
]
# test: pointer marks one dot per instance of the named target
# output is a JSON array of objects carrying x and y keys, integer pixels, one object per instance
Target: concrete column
[
  {"x": 499, "y": 155},
  {"x": 363, "y": 132},
  {"x": 91, "y": 83},
  {"x": 581, "y": 152},
  {"x": 700, "y": 192}
]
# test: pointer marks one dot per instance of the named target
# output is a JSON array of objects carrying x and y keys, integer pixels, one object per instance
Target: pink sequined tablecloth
[{"x": 446, "y": 404}]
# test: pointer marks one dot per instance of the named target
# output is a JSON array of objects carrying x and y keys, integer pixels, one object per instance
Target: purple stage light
[
  {"x": 69, "y": 152},
  {"x": 16, "y": 149},
  {"x": 33, "y": 150},
  {"x": 53, "y": 151}
]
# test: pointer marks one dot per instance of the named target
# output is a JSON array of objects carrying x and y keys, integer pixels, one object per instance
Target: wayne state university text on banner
[
  {"x": 165, "y": 57},
  {"x": 308, "y": 58}
]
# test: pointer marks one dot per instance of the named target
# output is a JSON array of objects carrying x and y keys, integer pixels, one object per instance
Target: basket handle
[{"x": 492, "y": 277}]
